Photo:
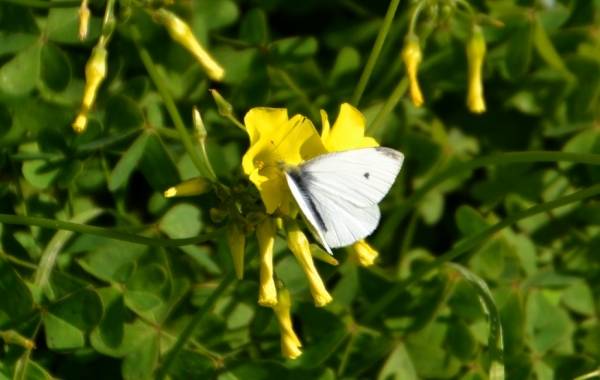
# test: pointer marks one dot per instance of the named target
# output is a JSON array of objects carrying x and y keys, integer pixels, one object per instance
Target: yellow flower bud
[
  {"x": 475, "y": 53},
  {"x": 199, "y": 125},
  {"x": 84, "y": 20},
  {"x": 289, "y": 341},
  {"x": 365, "y": 253},
  {"x": 13, "y": 337},
  {"x": 236, "y": 238},
  {"x": 181, "y": 32},
  {"x": 411, "y": 54},
  {"x": 194, "y": 186},
  {"x": 265, "y": 234},
  {"x": 225, "y": 109},
  {"x": 95, "y": 72},
  {"x": 299, "y": 246}
]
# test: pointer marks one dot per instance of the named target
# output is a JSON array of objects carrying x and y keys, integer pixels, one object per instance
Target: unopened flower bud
[
  {"x": 318, "y": 253},
  {"x": 290, "y": 344},
  {"x": 265, "y": 234},
  {"x": 225, "y": 109},
  {"x": 411, "y": 54},
  {"x": 475, "y": 54},
  {"x": 181, "y": 32},
  {"x": 13, "y": 337},
  {"x": 217, "y": 215},
  {"x": 194, "y": 186},
  {"x": 236, "y": 238},
  {"x": 364, "y": 253},
  {"x": 84, "y": 20},
  {"x": 95, "y": 72}
]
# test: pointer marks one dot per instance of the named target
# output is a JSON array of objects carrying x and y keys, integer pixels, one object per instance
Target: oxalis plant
[{"x": 147, "y": 231}]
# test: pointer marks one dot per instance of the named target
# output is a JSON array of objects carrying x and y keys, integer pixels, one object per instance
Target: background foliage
[{"x": 107, "y": 304}]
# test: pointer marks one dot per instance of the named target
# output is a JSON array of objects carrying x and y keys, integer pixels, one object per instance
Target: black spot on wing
[{"x": 367, "y": 175}]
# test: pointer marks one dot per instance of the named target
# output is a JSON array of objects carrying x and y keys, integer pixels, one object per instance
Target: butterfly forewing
[{"x": 362, "y": 176}]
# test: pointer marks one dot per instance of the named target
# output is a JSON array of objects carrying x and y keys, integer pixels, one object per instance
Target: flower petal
[{"x": 264, "y": 121}]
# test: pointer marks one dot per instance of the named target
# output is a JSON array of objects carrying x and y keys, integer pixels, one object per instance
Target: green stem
[
  {"x": 495, "y": 159},
  {"x": 415, "y": 16},
  {"x": 346, "y": 357},
  {"x": 473, "y": 242},
  {"x": 389, "y": 105},
  {"x": 106, "y": 232},
  {"x": 44, "y": 4},
  {"x": 193, "y": 324},
  {"x": 383, "y": 31},
  {"x": 236, "y": 122},
  {"x": 168, "y": 100}
]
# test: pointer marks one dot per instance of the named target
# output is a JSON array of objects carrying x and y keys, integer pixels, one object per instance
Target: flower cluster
[
  {"x": 96, "y": 67},
  {"x": 275, "y": 137},
  {"x": 476, "y": 49}
]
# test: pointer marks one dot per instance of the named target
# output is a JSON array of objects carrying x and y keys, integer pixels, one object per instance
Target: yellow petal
[
  {"x": 348, "y": 132},
  {"x": 289, "y": 341},
  {"x": 264, "y": 121},
  {"x": 475, "y": 53},
  {"x": 365, "y": 253}
]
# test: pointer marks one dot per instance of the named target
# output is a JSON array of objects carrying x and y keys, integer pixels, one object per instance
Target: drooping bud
[
  {"x": 475, "y": 54},
  {"x": 84, "y": 20},
  {"x": 181, "y": 32},
  {"x": 194, "y": 186},
  {"x": 290, "y": 344},
  {"x": 365, "y": 254},
  {"x": 95, "y": 72},
  {"x": 265, "y": 234},
  {"x": 411, "y": 54},
  {"x": 299, "y": 246},
  {"x": 13, "y": 337}
]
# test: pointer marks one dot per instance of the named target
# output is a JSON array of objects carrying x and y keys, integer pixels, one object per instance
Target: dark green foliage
[{"x": 524, "y": 300}]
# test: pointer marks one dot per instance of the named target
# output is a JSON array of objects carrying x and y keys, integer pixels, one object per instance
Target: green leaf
[
  {"x": 6, "y": 120},
  {"x": 460, "y": 341},
  {"x": 61, "y": 335},
  {"x": 128, "y": 163},
  {"x": 518, "y": 50},
  {"x": 191, "y": 364},
  {"x": 495, "y": 336},
  {"x": 211, "y": 14},
  {"x": 432, "y": 361},
  {"x": 253, "y": 28},
  {"x": 19, "y": 75},
  {"x": 16, "y": 300},
  {"x": 347, "y": 63},
  {"x": 157, "y": 165},
  {"x": 141, "y": 362},
  {"x": 295, "y": 49},
  {"x": 69, "y": 172},
  {"x": 545, "y": 332},
  {"x": 545, "y": 48},
  {"x": 182, "y": 220},
  {"x": 123, "y": 113},
  {"x": 82, "y": 309},
  {"x": 55, "y": 67},
  {"x": 114, "y": 262},
  {"x": 470, "y": 221},
  {"x": 398, "y": 365},
  {"x": 257, "y": 370},
  {"x": 112, "y": 327},
  {"x": 579, "y": 298}
]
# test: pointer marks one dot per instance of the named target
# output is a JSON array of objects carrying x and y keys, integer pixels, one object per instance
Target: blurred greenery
[{"x": 109, "y": 279}]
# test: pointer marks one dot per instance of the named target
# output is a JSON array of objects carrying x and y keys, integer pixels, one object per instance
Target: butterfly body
[{"x": 338, "y": 192}]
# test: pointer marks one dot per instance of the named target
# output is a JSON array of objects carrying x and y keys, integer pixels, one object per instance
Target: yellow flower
[
  {"x": 299, "y": 246},
  {"x": 95, "y": 72},
  {"x": 274, "y": 138},
  {"x": 181, "y": 32},
  {"x": 411, "y": 54},
  {"x": 348, "y": 131},
  {"x": 475, "y": 53},
  {"x": 265, "y": 234},
  {"x": 289, "y": 341},
  {"x": 365, "y": 253}
]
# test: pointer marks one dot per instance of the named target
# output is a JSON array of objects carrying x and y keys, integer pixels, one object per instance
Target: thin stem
[
  {"x": 44, "y": 4},
  {"x": 389, "y": 105},
  {"x": 106, "y": 232},
  {"x": 193, "y": 324},
  {"x": 474, "y": 242},
  {"x": 168, "y": 100},
  {"x": 381, "y": 36},
  {"x": 346, "y": 357},
  {"x": 415, "y": 16},
  {"x": 236, "y": 122}
]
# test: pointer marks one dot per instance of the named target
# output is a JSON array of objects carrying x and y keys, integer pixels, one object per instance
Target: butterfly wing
[
  {"x": 361, "y": 176},
  {"x": 338, "y": 192}
]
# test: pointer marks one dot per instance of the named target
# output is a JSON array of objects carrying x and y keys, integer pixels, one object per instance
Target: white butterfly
[{"x": 338, "y": 192}]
